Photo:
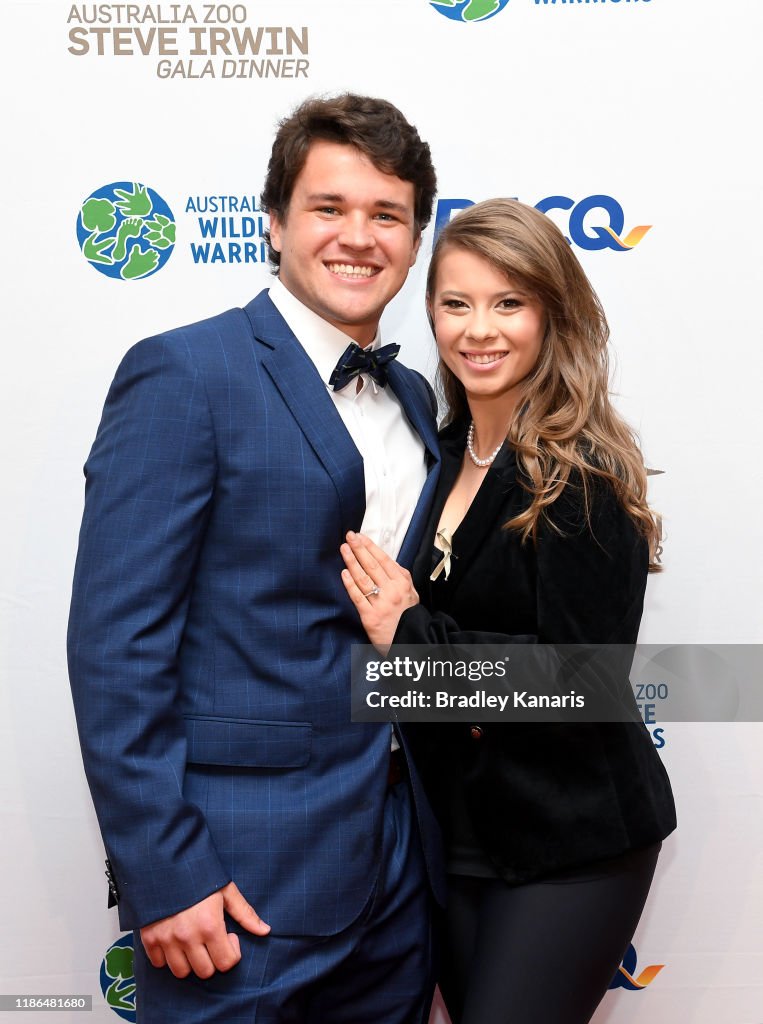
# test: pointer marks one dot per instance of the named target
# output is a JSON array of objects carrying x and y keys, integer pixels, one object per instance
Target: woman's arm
[
  {"x": 591, "y": 571},
  {"x": 388, "y": 604},
  {"x": 590, "y": 581}
]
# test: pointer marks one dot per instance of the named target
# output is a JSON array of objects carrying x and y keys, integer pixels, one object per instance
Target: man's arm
[{"x": 150, "y": 483}]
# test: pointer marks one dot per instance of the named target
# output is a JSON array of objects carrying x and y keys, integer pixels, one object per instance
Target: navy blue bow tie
[{"x": 356, "y": 360}]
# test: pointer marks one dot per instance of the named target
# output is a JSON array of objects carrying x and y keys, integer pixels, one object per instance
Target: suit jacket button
[{"x": 476, "y": 732}]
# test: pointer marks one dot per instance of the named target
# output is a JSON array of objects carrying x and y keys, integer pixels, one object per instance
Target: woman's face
[{"x": 489, "y": 330}]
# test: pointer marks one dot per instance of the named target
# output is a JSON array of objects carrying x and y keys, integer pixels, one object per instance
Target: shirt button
[{"x": 476, "y": 732}]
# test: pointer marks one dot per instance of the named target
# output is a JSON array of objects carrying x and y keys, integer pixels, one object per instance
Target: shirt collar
[{"x": 323, "y": 342}]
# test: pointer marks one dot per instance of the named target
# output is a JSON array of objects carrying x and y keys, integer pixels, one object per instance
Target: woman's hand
[{"x": 380, "y": 589}]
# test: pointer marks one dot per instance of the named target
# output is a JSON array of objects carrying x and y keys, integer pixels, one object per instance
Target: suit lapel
[
  {"x": 486, "y": 514},
  {"x": 417, "y": 411},
  {"x": 297, "y": 380},
  {"x": 488, "y": 511},
  {"x": 305, "y": 394},
  {"x": 422, "y": 566},
  {"x": 416, "y": 408}
]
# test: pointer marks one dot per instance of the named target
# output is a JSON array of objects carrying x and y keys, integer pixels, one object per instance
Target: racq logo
[
  {"x": 625, "y": 976},
  {"x": 594, "y": 222}
]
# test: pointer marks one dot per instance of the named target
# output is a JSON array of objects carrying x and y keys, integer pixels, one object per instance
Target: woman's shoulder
[{"x": 588, "y": 501}]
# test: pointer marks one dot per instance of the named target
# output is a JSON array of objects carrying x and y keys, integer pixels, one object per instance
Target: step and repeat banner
[{"x": 631, "y": 123}]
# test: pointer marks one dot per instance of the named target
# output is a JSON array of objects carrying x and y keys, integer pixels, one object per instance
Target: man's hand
[{"x": 196, "y": 938}]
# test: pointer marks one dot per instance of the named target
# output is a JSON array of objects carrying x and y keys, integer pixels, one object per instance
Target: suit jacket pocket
[{"x": 247, "y": 743}]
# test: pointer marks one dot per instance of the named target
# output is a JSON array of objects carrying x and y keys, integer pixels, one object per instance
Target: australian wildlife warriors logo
[
  {"x": 126, "y": 230},
  {"x": 468, "y": 10},
  {"x": 118, "y": 978}
]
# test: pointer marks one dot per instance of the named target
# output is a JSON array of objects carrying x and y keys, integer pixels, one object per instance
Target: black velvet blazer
[{"x": 540, "y": 796}]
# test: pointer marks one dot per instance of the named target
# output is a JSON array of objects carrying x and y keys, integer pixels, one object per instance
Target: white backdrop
[{"x": 650, "y": 103}]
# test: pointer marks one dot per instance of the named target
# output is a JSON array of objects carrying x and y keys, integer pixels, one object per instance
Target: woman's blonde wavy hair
[{"x": 565, "y": 421}]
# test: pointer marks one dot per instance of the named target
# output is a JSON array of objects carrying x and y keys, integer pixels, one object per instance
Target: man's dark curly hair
[{"x": 374, "y": 127}]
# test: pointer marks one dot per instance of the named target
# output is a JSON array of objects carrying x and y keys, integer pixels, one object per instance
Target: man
[{"x": 210, "y": 633}]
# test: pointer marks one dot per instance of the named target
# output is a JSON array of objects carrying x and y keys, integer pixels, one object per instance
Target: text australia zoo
[{"x": 192, "y": 50}]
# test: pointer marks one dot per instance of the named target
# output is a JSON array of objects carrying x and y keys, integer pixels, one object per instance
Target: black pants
[{"x": 545, "y": 952}]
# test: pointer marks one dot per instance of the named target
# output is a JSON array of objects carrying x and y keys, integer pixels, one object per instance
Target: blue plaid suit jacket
[{"x": 210, "y": 633}]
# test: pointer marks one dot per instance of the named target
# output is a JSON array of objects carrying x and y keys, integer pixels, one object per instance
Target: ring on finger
[{"x": 372, "y": 592}]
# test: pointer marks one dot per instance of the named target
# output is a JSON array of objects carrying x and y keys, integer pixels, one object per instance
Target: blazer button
[{"x": 476, "y": 732}]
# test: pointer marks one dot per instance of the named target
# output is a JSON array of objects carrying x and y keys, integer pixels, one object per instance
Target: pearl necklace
[{"x": 473, "y": 455}]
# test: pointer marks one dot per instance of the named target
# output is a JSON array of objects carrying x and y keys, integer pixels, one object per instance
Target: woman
[{"x": 540, "y": 528}]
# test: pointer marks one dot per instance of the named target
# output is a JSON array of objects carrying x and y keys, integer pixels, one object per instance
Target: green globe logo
[
  {"x": 126, "y": 230},
  {"x": 117, "y": 977},
  {"x": 468, "y": 10}
]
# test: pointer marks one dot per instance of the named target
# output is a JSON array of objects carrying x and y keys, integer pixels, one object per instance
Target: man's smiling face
[{"x": 348, "y": 238}]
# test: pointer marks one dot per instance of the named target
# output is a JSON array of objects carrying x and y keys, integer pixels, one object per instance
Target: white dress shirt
[{"x": 394, "y": 459}]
